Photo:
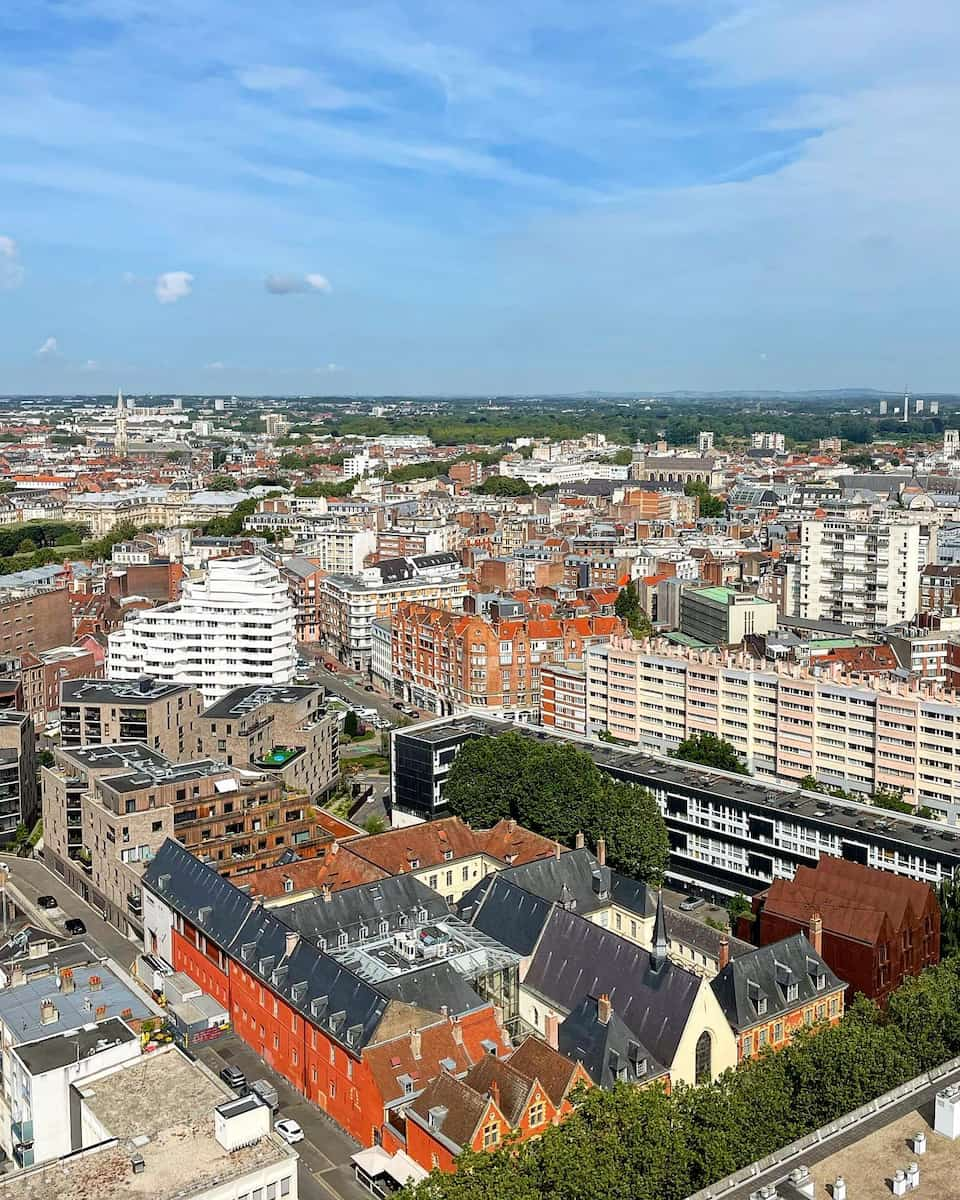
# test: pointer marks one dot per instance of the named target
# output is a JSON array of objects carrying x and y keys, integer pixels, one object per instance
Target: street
[
  {"x": 29, "y": 878},
  {"x": 325, "y": 1151}
]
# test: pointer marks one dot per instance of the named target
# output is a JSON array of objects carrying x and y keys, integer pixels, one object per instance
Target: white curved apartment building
[{"x": 234, "y": 627}]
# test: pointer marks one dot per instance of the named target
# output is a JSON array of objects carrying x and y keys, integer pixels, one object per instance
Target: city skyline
[{"x": 702, "y": 196}]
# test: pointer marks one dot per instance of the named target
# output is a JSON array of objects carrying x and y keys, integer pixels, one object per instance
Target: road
[
  {"x": 325, "y": 1151},
  {"x": 29, "y": 878},
  {"x": 352, "y": 687}
]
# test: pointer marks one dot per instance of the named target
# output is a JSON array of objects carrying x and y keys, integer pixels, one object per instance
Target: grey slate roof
[
  {"x": 502, "y": 910},
  {"x": 576, "y": 958},
  {"x": 347, "y": 911},
  {"x": 608, "y": 1052},
  {"x": 767, "y": 972},
  {"x": 589, "y": 886}
]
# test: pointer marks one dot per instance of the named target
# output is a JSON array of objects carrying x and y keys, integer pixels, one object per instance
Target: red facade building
[{"x": 878, "y": 928}]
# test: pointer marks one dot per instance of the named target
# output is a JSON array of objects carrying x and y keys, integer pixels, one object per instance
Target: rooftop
[
  {"x": 51, "y": 1053},
  {"x": 163, "y": 1111},
  {"x": 108, "y": 691},
  {"x": 132, "y": 765},
  {"x": 112, "y": 997},
  {"x": 243, "y": 700}
]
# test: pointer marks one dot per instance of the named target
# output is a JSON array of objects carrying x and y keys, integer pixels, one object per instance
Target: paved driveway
[{"x": 325, "y": 1169}]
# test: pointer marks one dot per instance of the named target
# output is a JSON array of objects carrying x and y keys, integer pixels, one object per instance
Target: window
[
  {"x": 761, "y": 1039},
  {"x": 704, "y": 1058},
  {"x": 432, "y": 882},
  {"x": 538, "y": 1114},
  {"x": 491, "y": 1135},
  {"x": 271, "y": 1191},
  {"x": 333, "y": 1089},
  {"x": 793, "y": 991},
  {"x": 466, "y": 874},
  {"x": 156, "y": 826},
  {"x": 285, "y": 1185},
  {"x": 435, "y": 1162},
  {"x": 761, "y": 1005},
  {"x": 833, "y": 1006},
  {"x": 778, "y": 1032},
  {"x": 747, "y": 1045}
]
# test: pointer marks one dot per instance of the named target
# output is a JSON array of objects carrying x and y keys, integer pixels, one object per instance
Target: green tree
[
  {"x": 26, "y": 546},
  {"x": 221, "y": 483},
  {"x": 710, "y": 751},
  {"x": 504, "y": 485},
  {"x": 351, "y": 724},
  {"x": 628, "y": 609},
  {"x": 948, "y": 895},
  {"x": 710, "y": 505},
  {"x": 891, "y": 802},
  {"x": 738, "y": 906},
  {"x": 486, "y": 779},
  {"x": 630, "y": 822}
]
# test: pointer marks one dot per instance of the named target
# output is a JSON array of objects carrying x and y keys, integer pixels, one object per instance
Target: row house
[{"x": 451, "y": 662}]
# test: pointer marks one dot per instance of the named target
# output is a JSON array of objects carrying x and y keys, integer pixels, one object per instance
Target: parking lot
[{"x": 325, "y": 1151}]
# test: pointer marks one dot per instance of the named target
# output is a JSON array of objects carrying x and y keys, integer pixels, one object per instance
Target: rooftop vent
[{"x": 139, "y": 1166}]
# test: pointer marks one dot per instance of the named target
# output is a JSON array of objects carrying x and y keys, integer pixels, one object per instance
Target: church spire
[
  {"x": 120, "y": 429},
  {"x": 661, "y": 946}
]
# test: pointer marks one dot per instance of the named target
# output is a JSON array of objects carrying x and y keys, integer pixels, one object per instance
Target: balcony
[
  {"x": 135, "y": 903},
  {"x": 278, "y": 757}
]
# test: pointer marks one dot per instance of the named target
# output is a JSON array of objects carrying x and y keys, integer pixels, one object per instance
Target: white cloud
[
  {"x": 172, "y": 286},
  {"x": 215, "y": 366},
  {"x": 49, "y": 348},
  {"x": 11, "y": 272},
  {"x": 90, "y": 365},
  {"x": 329, "y": 369},
  {"x": 311, "y": 88},
  {"x": 286, "y": 285}
]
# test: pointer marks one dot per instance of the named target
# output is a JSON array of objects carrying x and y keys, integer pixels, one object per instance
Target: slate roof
[
  {"x": 395, "y": 899},
  {"x": 576, "y": 958},
  {"x": 500, "y": 909},
  {"x": 589, "y": 885},
  {"x": 608, "y": 1051},
  {"x": 435, "y": 987},
  {"x": 767, "y": 973}
]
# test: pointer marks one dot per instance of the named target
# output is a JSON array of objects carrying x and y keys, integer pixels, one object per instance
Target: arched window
[{"x": 703, "y": 1066}]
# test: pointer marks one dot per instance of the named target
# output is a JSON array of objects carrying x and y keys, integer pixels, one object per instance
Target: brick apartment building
[
  {"x": 33, "y": 619},
  {"x": 282, "y": 730},
  {"x": 43, "y": 674},
  {"x": 449, "y": 662},
  {"x": 108, "y": 809},
  {"x": 878, "y": 929},
  {"x": 162, "y": 716},
  {"x": 940, "y": 588}
]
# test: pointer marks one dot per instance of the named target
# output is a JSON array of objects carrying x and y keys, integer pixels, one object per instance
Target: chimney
[
  {"x": 815, "y": 932},
  {"x": 291, "y": 943},
  {"x": 724, "y": 956},
  {"x": 494, "y": 1092},
  {"x": 580, "y": 841},
  {"x": 48, "y": 1012},
  {"x": 604, "y": 1009},
  {"x": 66, "y": 981},
  {"x": 457, "y": 1032},
  {"x": 557, "y": 850},
  {"x": 325, "y": 892},
  {"x": 17, "y": 976},
  {"x": 415, "y": 1043},
  {"x": 95, "y": 983},
  {"x": 552, "y": 1030},
  {"x": 602, "y": 851}
]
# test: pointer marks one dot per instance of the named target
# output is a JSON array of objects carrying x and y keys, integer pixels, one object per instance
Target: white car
[{"x": 289, "y": 1130}]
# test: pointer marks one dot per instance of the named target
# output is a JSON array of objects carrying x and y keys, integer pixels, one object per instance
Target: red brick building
[
  {"x": 878, "y": 928},
  {"x": 516, "y": 1098}
]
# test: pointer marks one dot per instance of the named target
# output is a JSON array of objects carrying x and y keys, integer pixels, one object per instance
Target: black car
[
  {"x": 368, "y": 687},
  {"x": 397, "y": 705},
  {"x": 47, "y": 901},
  {"x": 75, "y": 925}
]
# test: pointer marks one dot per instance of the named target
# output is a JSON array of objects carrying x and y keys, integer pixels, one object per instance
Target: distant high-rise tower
[
  {"x": 934, "y": 408},
  {"x": 883, "y": 408},
  {"x": 120, "y": 429},
  {"x": 704, "y": 441},
  {"x": 906, "y": 407},
  {"x": 918, "y": 405}
]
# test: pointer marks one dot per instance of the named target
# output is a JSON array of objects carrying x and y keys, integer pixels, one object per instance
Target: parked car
[
  {"x": 289, "y": 1130},
  {"x": 368, "y": 687},
  {"x": 47, "y": 901},
  {"x": 234, "y": 1077},
  {"x": 330, "y": 666},
  {"x": 398, "y": 706},
  {"x": 691, "y": 903},
  {"x": 75, "y": 925},
  {"x": 267, "y": 1093}
]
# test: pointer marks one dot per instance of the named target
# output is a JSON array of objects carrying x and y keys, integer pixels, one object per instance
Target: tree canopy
[
  {"x": 710, "y": 505},
  {"x": 634, "y": 1143},
  {"x": 504, "y": 485},
  {"x": 558, "y": 791},
  {"x": 710, "y": 751},
  {"x": 628, "y": 609}
]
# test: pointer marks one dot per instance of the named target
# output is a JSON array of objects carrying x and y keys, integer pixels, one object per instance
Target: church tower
[{"x": 120, "y": 431}]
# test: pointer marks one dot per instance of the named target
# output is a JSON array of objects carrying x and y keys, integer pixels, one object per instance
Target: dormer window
[
  {"x": 821, "y": 981},
  {"x": 447, "y": 855},
  {"x": 414, "y": 863},
  {"x": 761, "y": 1005},
  {"x": 383, "y": 927},
  {"x": 793, "y": 991},
  {"x": 341, "y": 940}
]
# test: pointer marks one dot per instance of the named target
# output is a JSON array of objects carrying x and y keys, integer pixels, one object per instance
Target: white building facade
[{"x": 235, "y": 627}]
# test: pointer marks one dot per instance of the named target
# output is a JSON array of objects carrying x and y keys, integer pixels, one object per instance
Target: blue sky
[{"x": 427, "y": 196}]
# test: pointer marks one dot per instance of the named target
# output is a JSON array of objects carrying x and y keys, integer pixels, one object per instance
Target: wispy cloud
[
  {"x": 172, "y": 286},
  {"x": 11, "y": 271},
  {"x": 285, "y": 285},
  {"x": 310, "y": 88},
  {"x": 48, "y": 349}
]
